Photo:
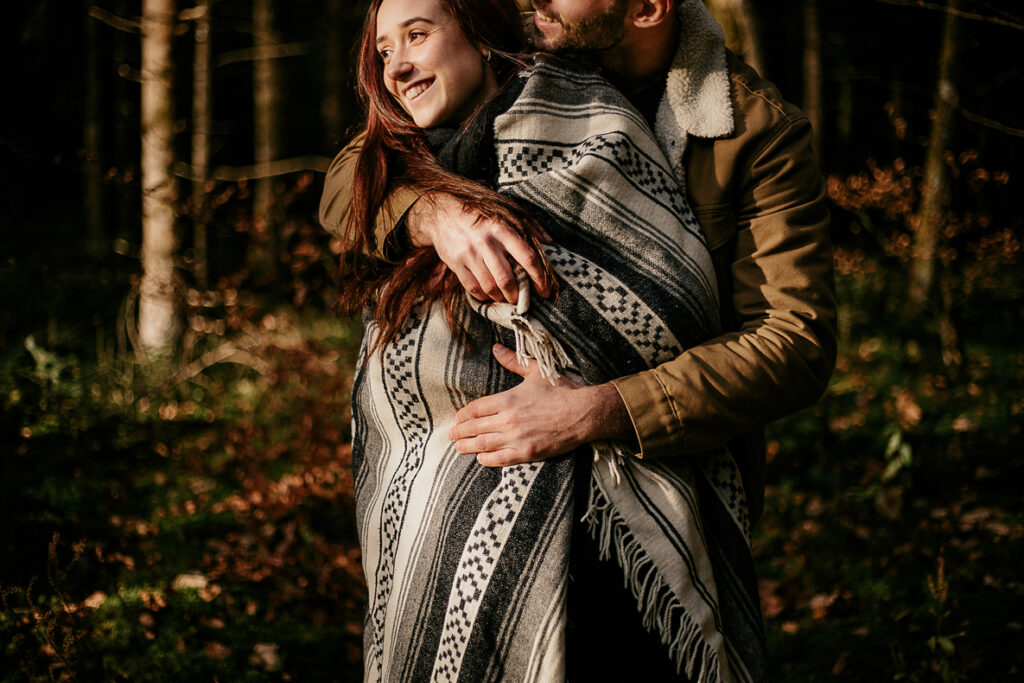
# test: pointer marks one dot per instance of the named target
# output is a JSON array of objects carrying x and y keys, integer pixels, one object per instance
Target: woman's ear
[{"x": 485, "y": 52}]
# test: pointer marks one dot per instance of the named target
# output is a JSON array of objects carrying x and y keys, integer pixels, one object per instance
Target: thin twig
[
  {"x": 251, "y": 54},
  {"x": 225, "y": 353},
  {"x": 115, "y": 21},
  {"x": 956, "y": 12},
  {"x": 990, "y": 123},
  {"x": 266, "y": 169}
]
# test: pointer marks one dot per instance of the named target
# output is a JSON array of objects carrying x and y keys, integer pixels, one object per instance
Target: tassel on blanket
[
  {"x": 533, "y": 342},
  {"x": 661, "y": 610}
]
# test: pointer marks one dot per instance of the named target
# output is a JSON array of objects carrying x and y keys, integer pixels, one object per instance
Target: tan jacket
[{"x": 744, "y": 156}]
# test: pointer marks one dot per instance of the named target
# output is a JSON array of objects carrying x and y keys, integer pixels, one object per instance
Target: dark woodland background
[{"x": 187, "y": 512}]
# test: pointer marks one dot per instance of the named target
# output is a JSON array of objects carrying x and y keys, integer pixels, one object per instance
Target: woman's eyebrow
[{"x": 407, "y": 22}]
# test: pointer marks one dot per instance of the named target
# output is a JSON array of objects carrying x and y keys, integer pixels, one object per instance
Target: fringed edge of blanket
[
  {"x": 659, "y": 606},
  {"x": 533, "y": 342}
]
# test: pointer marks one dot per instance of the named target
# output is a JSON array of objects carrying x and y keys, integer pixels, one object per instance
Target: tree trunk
[
  {"x": 158, "y": 323},
  {"x": 813, "y": 74},
  {"x": 92, "y": 139},
  {"x": 742, "y": 30},
  {"x": 202, "y": 70},
  {"x": 334, "y": 73},
  {"x": 264, "y": 257},
  {"x": 935, "y": 183},
  {"x": 126, "y": 135}
]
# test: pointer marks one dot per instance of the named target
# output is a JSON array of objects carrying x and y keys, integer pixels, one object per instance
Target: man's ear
[{"x": 651, "y": 13}]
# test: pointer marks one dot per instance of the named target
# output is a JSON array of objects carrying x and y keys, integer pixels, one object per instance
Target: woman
[{"x": 468, "y": 567}]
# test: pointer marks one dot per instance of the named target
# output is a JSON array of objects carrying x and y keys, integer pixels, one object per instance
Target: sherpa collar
[{"x": 697, "y": 98}]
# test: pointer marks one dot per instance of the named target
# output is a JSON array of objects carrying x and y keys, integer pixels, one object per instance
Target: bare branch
[
  {"x": 225, "y": 353},
  {"x": 192, "y": 13},
  {"x": 989, "y": 123},
  {"x": 266, "y": 170},
  {"x": 115, "y": 21},
  {"x": 250, "y": 54},
  {"x": 956, "y": 12}
]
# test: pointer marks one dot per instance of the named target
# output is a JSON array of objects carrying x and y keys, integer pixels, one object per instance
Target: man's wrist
[
  {"x": 609, "y": 417},
  {"x": 419, "y": 219}
]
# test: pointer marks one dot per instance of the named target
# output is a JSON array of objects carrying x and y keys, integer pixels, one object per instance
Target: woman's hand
[
  {"x": 535, "y": 420},
  {"x": 478, "y": 250}
]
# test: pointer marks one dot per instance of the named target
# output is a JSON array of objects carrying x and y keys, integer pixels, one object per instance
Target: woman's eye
[
  {"x": 416, "y": 35},
  {"x": 385, "y": 54}
]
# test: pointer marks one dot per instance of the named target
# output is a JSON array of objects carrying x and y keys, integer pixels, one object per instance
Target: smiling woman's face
[{"x": 430, "y": 67}]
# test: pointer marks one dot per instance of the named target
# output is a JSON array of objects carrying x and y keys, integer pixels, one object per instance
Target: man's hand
[
  {"x": 476, "y": 249},
  {"x": 535, "y": 420}
]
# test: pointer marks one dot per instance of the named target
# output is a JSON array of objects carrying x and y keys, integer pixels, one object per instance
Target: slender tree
[
  {"x": 264, "y": 258},
  {"x": 158, "y": 322},
  {"x": 92, "y": 138},
  {"x": 812, "y": 103},
  {"x": 334, "y": 71},
  {"x": 740, "y": 22},
  {"x": 202, "y": 92},
  {"x": 931, "y": 215}
]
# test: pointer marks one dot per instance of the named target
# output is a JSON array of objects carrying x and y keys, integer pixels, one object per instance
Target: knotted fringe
[
  {"x": 533, "y": 342},
  {"x": 659, "y": 606}
]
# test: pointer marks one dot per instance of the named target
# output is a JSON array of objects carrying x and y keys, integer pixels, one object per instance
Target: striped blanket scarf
[{"x": 467, "y": 566}]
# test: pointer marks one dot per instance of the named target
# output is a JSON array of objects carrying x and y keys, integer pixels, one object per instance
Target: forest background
[{"x": 175, "y": 484}]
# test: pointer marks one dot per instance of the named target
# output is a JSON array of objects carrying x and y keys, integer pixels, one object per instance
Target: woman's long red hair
[{"x": 395, "y": 151}]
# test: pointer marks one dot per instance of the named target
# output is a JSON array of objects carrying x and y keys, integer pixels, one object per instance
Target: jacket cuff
[
  {"x": 391, "y": 214},
  {"x": 655, "y": 418}
]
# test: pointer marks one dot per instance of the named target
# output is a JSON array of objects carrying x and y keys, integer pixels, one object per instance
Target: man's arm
[
  {"x": 782, "y": 354},
  {"x": 779, "y": 360},
  {"x": 480, "y": 251},
  {"x": 336, "y": 200}
]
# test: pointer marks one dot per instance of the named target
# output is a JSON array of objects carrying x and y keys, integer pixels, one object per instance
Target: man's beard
[{"x": 599, "y": 32}]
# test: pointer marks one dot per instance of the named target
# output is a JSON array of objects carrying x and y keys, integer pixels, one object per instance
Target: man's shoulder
[{"x": 758, "y": 106}]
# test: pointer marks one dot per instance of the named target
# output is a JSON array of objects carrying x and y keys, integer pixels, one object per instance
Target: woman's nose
[{"x": 398, "y": 65}]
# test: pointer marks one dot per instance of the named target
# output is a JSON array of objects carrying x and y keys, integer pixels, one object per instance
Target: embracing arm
[
  {"x": 778, "y": 360},
  {"x": 780, "y": 357},
  {"x": 477, "y": 249}
]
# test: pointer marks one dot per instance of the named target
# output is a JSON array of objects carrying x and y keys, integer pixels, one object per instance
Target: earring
[{"x": 487, "y": 57}]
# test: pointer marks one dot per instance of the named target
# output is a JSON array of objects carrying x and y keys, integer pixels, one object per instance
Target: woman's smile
[
  {"x": 413, "y": 92},
  {"x": 434, "y": 72}
]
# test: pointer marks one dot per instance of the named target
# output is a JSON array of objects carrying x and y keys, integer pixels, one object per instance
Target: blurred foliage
[
  {"x": 194, "y": 520},
  {"x": 197, "y": 520},
  {"x": 893, "y": 524}
]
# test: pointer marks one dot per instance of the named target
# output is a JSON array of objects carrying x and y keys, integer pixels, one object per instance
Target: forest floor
[{"x": 197, "y": 523}]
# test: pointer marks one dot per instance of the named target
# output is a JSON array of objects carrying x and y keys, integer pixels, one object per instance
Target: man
[{"x": 744, "y": 157}]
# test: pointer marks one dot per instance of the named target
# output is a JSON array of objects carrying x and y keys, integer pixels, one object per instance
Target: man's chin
[{"x": 546, "y": 42}]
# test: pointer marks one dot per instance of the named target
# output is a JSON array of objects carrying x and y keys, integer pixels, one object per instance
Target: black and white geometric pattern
[
  {"x": 476, "y": 566},
  {"x": 457, "y": 589},
  {"x": 410, "y": 409}
]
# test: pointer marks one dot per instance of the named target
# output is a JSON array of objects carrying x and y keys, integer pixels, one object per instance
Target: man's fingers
[
  {"x": 480, "y": 444},
  {"x": 500, "y": 458},
  {"x": 482, "y": 407},
  {"x": 520, "y": 251},
  {"x": 507, "y": 359},
  {"x": 504, "y": 277},
  {"x": 470, "y": 284},
  {"x": 476, "y": 426},
  {"x": 483, "y": 275}
]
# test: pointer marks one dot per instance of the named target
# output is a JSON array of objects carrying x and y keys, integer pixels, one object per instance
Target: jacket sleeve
[
  {"x": 781, "y": 354},
  {"x": 337, "y": 198}
]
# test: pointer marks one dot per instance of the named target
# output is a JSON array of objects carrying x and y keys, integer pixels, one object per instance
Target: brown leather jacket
[{"x": 755, "y": 187}]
